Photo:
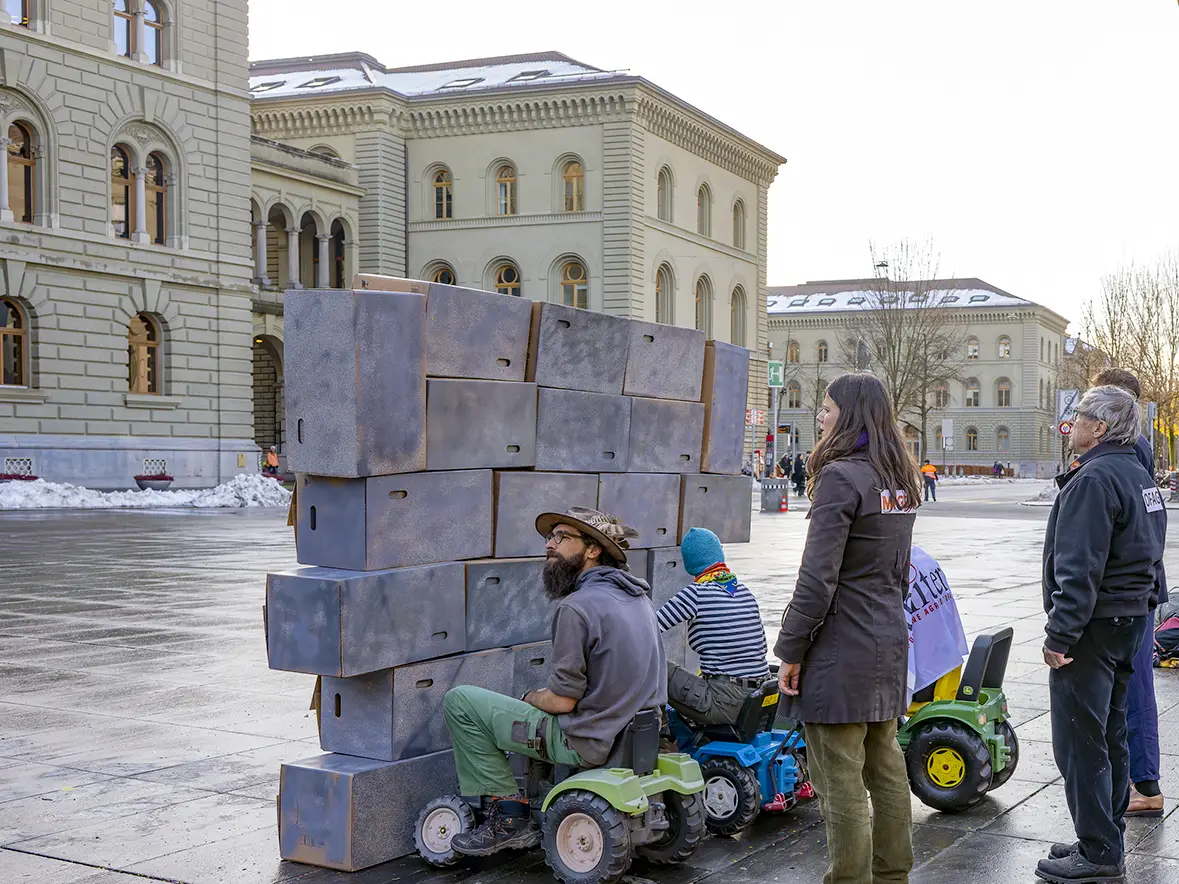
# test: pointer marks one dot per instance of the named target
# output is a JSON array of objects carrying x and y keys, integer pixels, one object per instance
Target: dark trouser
[
  {"x": 714, "y": 700},
  {"x": 1142, "y": 712},
  {"x": 930, "y": 488},
  {"x": 1088, "y": 698}
]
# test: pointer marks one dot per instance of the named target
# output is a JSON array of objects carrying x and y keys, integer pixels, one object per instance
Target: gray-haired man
[{"x": 1102, "y": 552}]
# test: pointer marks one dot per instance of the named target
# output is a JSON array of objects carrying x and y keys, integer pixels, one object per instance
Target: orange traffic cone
[{"x": 785, "y": 506}]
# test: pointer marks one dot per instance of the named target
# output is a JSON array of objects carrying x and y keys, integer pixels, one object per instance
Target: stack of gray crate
[{"x": 430, "y": 425}]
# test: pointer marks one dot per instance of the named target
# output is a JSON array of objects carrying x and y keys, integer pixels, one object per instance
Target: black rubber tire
[
  {"x": 685, "y": 817},
  {"x": 976, "y": 759},
  {"x": 466, "y": 821},
  {"x": 744, "y": 782},
  {"x": 613, "y": 826},
  {"x": 1007, "y": 732}
]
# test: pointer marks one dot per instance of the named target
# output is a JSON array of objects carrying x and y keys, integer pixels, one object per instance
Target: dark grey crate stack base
[
  {"x": 582, "y": 432},
  {"x": 665, "y": 436},
  {"x": 723, "y": 504},
  {"x": 397, "y": 713},
  {"x": 664, "y": 362},
  {"x": 521, "y": 497},
  {"x": 349, "y": 813},
  {"x": 666, "y": 574},
  {"x": 506, "y": 604},
  {"x": 394, "y": 521},
  {"x": 355, "y": 382},
  {"x": 332, "y": 622},
  {"x": 476, "y": 334},
  {"x": 724, "y": 392},
  {"x": 647, "y": 502},
  {"x": 577, "y": 349},
  {"x": 531, "y": 666},
  {"x": 480, "y": 424}
]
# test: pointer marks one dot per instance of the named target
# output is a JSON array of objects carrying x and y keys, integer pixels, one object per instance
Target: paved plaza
[{"x": 141, "y": 732}]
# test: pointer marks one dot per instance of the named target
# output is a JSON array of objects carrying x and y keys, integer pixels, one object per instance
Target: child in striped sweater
[{"x": 724, "y": 629}]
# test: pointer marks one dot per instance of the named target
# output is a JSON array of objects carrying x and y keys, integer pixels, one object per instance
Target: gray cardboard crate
[
  {"x": 665, "y": 436},
  {"x": 393, "y": 521},
  {"x": 675, "y": 644},
  {"x": 647, "y": 502},
  {"x": 479, "y": 424},
  {"x": 723, "y": 504},
  {"x": 346, "y": 813},
  {"x": 333, "y": 622},
  {"x": 532, "y": 665},
  {"x": 666, "y": 574},
  {"x": 397, "y": 713},
  {"x": 577, "y": 349},
  {"x": 664, "y": 361},
  {"x": 724, "y": 394},
  {"x": 476, "y": 334},
  {"x": 355, "y": 382},
  {"x": 582, "y": 432},
  {"x": 522, "y": 496},
  {"x": 506, "y": 604},
  {"x": 636, "y": 560}
]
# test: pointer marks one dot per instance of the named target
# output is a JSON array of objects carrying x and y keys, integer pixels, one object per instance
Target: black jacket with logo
[{"x": 1103, "y": 549}]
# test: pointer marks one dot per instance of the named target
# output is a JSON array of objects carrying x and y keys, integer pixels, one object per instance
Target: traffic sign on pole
[
  {"x": 774, "y": 371},
  {"x": 1065, "y": 427}
]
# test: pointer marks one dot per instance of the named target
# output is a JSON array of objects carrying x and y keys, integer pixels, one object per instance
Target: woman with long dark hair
[{"x": 844, "y": 640}]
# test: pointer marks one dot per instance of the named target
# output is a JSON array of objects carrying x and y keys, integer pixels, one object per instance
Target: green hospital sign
[{"x": 775, "y": 374}]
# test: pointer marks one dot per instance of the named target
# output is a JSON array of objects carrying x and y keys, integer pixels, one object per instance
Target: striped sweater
[{"x": 724, "y": 629}]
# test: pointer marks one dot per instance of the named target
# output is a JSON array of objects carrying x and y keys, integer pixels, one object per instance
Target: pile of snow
[
  {"x": 240, "y": 491},
  {"x": 980, "y": 480},
  {"x": 1046, "y": 497}
]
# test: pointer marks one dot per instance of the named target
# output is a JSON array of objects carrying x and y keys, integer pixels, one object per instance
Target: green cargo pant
[
  {"x": 484, "y": 725},
  {"x": 847, "y": 763},
  {"x": 704, "y": 700}
]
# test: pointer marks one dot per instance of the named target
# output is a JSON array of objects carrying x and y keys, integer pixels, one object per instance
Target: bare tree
[{"x": 906, "y": 332}]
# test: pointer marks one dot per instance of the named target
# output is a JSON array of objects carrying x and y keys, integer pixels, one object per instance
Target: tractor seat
[
  {"x": 637, "y": 747},
  {"x": 757, "y": 714}
]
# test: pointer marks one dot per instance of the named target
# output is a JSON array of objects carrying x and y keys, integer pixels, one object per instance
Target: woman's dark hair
[{"x": 864, "y": 408}]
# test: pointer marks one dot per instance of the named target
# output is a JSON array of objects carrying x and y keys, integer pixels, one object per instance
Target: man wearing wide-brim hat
[{"x": 607, "y": 666}]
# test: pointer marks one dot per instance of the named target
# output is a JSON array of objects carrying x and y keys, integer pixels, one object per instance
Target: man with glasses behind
[{"x": 607, "y": 666}]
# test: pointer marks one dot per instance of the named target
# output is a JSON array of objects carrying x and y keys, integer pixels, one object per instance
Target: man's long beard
[{"x": 560, "y": 575}]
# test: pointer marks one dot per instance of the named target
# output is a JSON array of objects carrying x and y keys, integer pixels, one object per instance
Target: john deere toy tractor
[
  {"x": 957, "y": 740},
  {"x": 593, "y": 822}
]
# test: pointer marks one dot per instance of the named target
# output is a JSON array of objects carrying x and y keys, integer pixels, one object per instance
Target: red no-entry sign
[{"x": 1066, "y": 427}]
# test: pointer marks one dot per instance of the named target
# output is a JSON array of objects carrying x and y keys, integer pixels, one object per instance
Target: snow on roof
[
  {"x": 838, "y": 296},
  {"x": 307, "y": 76}
]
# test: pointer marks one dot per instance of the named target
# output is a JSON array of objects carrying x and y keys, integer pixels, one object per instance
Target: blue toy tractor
[{"x": 747, "y": 767}]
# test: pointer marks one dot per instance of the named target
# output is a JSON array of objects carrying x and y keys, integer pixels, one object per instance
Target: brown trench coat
[{"x": 846, "y": 623}]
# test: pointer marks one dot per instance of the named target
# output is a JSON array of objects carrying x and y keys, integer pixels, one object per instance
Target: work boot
[
  {"x": 1075, "y": 869},
  {"x": 1060, "y": 851},
  {"x": 1144, "y": 805},
  {"x": 499, "y": 831}
]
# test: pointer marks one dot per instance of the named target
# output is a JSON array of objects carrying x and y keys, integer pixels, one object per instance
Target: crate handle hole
[
  {"x": 608, "y": 455},
  {"x": 536, "y": 661},
  {"x": 684, "y": 458},
  {"x": 337, "y": 705},
  {"x": 439, "y": 636},
  {"x": 650, "y": 339},
  {"x": 661, "y": 531},
  {"x": 492, "y": 581},
  {"x": 513, "y": 449},
  {"x": 312, "y": 519},
  {"x": 503, "y": 363},
  {"x": 399, "y": 495},
  {"x": 702, "y": 489},
  {"x": 562, "y": 323},
  {"x": 299, "y": 431},
  {"x": 425, "y": 683}
]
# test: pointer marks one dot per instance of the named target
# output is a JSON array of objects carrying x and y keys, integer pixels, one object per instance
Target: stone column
[
  {"x": 139, "y": 33},
  {"x": 260, "y": 252},
  {"x": 293, "y": 281},
  {"x": 140, "y": 233},
  {"x": 5, "y": 212},
  {"x": 322, "y": 276}
]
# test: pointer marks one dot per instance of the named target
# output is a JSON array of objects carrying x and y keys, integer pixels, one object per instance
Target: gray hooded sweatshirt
[{"x": 608, "y": 656}]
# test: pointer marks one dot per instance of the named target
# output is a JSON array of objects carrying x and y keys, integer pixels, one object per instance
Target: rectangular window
[
  {"x": 972, "y": 399},
  {"x": 972, "y": 350}
]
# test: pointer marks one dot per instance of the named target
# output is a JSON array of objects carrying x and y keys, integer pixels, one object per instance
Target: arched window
[
  {"x": 863, "y": 356},
  {"x": 1041, "y": 440},
  {"x": 18, "y": 11},
  {"x": 1003, "y": 393},
  {"x": 663, "y": 207},
  {"x": 739, "y": 225},
  {"x": 1041, "y": 349},
  {"x": 704, "y": 305},
  {"x": 443, "y": 184},
  {"x": 14, "y": 345},
  {"x": 793, "y": 395},
  {"x": 1004, "y": 347},
  {"x": 505, "y": 189},
  {"x": 737, "y": 317},
  {"x": 973, "y": 396},
  {"x": 793, "y": 352},
  {"x": 442, "y": 273},
  {"x": 664, "y": 295},
  {"x": 704, "y": 211},
  {"x": 1003, "y": 439},
  {"x": 122, "y": 208},
  {"x": 143, "y": 355},
  {"x": 156, "y": 193},
  {"x": 971, "y": 439},
  {"x": 507, "y": 279},
  {"x": 822, "y": 353},
  {"x": 574, "y": 175},
  {"x": 325, "y": 150},
  {"x": 574, "y": 285},
  {"x": 21, "y": 169},
  {"x": 1041, "y": 392},
  {"x": 338, "y": 268},
  {"x": 124, "y": 29},
  {"x": 941, "y": 396},
  {"x": 972, "y": 348},
  {"x": 913, "y": 441},
  {"x": 153, "y": 33}
]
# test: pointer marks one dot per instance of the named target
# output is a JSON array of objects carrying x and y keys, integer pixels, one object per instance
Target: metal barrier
[{"x": 775, "y": 495}]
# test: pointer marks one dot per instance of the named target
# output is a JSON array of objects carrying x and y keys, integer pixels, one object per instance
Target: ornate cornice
[
  {"x": 963, "y": 315},
  {"x": 303, "y": 119},
  {"x": 545, "y": 218},
  {"x": 515, "y": 113}
]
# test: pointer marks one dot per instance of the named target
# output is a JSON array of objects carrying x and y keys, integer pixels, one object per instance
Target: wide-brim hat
[{"x": 602, "y": 528}]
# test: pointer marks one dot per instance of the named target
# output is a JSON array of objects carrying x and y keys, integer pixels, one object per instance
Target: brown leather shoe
[{"x": 1141, "y": 805}]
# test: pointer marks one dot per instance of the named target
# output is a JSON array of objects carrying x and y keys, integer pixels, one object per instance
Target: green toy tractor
[
  {"x": 957, "y": 740},
  {"x": 593, "y": 822}
]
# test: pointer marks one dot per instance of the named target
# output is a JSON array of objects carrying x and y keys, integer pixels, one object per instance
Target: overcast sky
[{"x": 1034, "y": 141}]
